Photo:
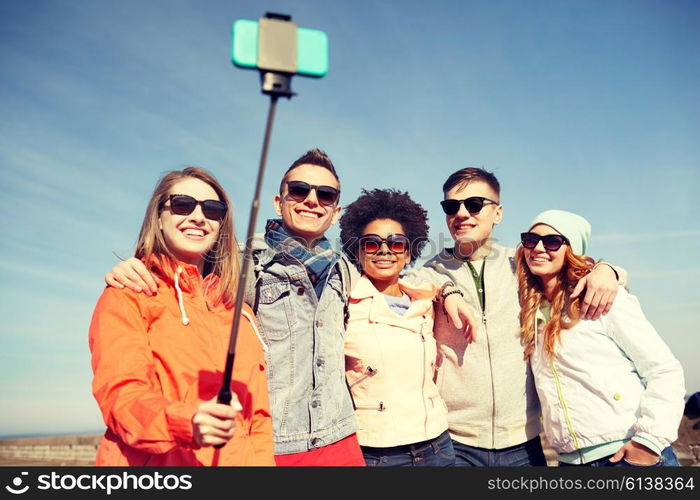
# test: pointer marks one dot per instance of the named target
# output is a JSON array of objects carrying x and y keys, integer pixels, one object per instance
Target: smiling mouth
[
  {"x": 194, "y": 233},
  {"x": 383, "y": 262},
  {"x": 308, "y": 214}
]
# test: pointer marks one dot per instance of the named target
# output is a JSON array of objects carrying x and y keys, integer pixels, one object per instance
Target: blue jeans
[
  {"x": 667, "y": 459},
  {"x": 528, "y": 454},
  {"x": 435, "y": 452}
]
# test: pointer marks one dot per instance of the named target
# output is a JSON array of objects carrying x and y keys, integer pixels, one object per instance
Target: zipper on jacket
[
  {"x": 369, "y": 372},
  {"x": 493, "y": 387},
  {"x": 488, "y": 347},
  {"x": 379, "y": 407},
  {"x": 488, "y": 354},
  {"x": 563, "y": 404}
]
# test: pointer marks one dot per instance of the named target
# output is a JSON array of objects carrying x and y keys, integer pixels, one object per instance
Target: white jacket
[
  {"x": 610, "y": 379},
  {"x": 390, "y": 364}
]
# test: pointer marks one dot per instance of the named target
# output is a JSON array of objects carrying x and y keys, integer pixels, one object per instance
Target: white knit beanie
[{"x": 575, "y": 228}]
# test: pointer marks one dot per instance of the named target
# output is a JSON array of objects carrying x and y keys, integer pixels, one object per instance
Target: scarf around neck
[{"x": 318, "y": 261}]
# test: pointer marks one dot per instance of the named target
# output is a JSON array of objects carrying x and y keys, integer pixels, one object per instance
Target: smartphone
[{"x": 312, "y": 48}]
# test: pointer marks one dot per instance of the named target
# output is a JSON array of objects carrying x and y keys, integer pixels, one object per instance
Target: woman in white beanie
[{"x": 611, "y": 390}]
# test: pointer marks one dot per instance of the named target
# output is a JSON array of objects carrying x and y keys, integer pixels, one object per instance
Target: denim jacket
[{"x": 310, "y": 402}]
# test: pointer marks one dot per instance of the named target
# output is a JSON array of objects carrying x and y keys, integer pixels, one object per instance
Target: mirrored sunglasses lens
[{"x": 182, "y": 205}]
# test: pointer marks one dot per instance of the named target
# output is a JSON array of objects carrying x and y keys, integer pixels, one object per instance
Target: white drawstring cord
[
  {"x": 255, "y": 329},
  {"x": 185, "y": 319}
]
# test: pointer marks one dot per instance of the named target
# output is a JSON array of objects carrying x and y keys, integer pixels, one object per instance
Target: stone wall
[{"x": 60, "y": 450}]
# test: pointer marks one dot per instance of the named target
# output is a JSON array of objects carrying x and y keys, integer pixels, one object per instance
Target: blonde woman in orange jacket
[{"x": 158, "y": 359}]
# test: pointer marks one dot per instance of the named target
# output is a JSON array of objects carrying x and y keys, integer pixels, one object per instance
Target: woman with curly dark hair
[{"x": 390, "y": 351}]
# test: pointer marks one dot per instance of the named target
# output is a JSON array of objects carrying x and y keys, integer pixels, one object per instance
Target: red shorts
[{"x": 343, "y": 453}]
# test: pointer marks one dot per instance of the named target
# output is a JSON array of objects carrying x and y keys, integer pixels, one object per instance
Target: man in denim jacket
[{"x": 300, "y": 302}]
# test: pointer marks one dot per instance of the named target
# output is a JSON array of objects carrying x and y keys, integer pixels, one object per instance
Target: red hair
[{"x": 564, "y": 311}]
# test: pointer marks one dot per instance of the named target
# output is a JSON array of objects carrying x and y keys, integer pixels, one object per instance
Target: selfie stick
[{"x": 277, "y": 65}]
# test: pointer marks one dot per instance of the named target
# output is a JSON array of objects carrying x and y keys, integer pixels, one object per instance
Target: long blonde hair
[
  {"x": 222, "y": 259},
  {"x": 564, "y": 311}
]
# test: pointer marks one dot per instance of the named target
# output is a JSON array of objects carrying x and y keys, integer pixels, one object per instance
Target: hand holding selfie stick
[{"x": 276, "y": 40}]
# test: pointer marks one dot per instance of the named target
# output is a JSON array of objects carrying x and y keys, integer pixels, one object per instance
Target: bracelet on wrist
[
  {"x": 451, "y": 292},
  {"x": 446, "y": 284}
]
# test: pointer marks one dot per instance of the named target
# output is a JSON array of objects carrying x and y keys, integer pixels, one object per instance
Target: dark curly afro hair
[{"x": 383, "y": 204}]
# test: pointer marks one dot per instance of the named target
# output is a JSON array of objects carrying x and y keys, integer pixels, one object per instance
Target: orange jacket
[{"x": 155, "y": 359}]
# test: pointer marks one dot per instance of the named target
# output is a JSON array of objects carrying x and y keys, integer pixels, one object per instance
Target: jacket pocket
[
  {"x": 367, "y": 373},
  {"x": 275, "y": 311},
  {"x": 438, "y": 404}
]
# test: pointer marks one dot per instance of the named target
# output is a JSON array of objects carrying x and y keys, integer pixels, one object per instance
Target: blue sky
[{"x": 590, "y": 106}]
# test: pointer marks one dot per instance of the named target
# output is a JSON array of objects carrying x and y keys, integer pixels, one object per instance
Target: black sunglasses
[
  {"x": 396, "y": 243},
  {"x": 182, "y": 204},
  {"x": 299, "y": 191},
  {"x": 474, "y": 204},
  {"x": 550, "y": 242}
]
